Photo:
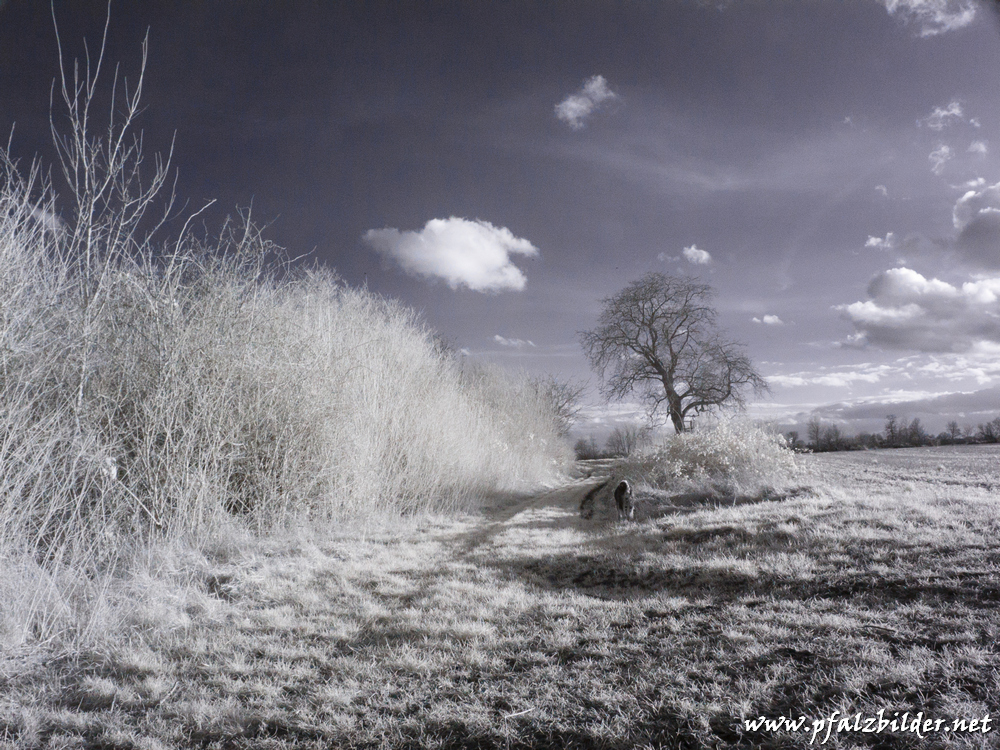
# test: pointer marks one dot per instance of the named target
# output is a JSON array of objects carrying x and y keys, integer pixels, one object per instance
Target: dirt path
[{"x": 554, "y": 512}]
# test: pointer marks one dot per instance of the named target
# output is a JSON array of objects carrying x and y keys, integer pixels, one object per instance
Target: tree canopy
[{"x": 659, "y": 338}]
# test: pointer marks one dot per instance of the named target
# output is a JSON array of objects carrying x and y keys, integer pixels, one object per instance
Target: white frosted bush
[{"x": 732, "y": 458}]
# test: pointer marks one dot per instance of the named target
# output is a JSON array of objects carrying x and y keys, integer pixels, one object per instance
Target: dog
[{"x": 623, "y": 499}]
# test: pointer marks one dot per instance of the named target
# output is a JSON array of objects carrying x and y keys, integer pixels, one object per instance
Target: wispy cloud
[
  {"x": 940, "y": 372},
  {"x": 939, "y": 157},
  {"x": 474, "y": 254},
  {"x": 576, "y": 108},
  {"x": 692, "y": 254},
  {"x": 908, "y": 311},
  {"x": 837, "y": 379},
  {"x": 933, "y": 16},
  {"x": 978, "y": 147},
  {"x": 515, "y": 343},
  {"x": 594, "y": 415},
  {"x": 696, "y": 255},
  {"x": 942, "y": 117}
]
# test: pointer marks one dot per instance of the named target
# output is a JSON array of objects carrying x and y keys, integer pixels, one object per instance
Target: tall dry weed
[{"x": 155, "y": 390}]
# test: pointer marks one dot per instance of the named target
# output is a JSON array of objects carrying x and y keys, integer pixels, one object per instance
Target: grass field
[{"x": 874, "y": 586}]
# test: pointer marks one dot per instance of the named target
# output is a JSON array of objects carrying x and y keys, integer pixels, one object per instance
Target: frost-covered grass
[{"x": 876, "y": 590}]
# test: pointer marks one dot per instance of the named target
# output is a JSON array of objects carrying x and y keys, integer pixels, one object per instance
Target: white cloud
[
  {"x": 908, "y": 311},
  {"x": 975, "y": 202},
  {"x": 516, "y": 343},
  {"x": 972, "y": 184},
  {"x": 933, "y": 16},
  {"x": 663, "y": 257},
  {"x": 978, "y": 147},
  {"x": 942, "y": 117},
  {"x": 575, "y": 108},
  {"x": 696, "y": 255},
  {"x": 976, "y": 216},
  {"x": 878, "y": 243},
  {"x": 770, "y": 320},
  {"x": 983, "y": 367},
  {"x": 883, "y": 189},
  {"x": 938, "y": 158},
  {"x": 468, "y": 253}
]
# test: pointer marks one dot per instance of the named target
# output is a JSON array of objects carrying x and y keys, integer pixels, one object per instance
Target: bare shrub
[{"x": 586, "y": 449}]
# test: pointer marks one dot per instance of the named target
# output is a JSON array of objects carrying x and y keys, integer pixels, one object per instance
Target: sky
[{"x": 831, "y": 168}]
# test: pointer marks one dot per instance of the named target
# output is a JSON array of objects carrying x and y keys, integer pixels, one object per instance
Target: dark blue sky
[{"x": 837, "y": 162}]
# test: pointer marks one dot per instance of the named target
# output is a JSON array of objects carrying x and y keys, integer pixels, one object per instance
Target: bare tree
[
  {"x": 915, "y": 434},
  {"x": 563, "y": 397},
  {"x": 891, "y": 430},
  {"x": 815, "y": 431},
  {"x": 624, "y": 439},
  {"x": 831, "y": 439},
  {"x": 989, "y": 432},
  {"x": 586, "y": 448},
  {"x": 659, "y": 337},
  {"x": 954, "y": 431}
]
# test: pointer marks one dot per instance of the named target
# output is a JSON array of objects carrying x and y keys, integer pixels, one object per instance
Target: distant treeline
[{"x": 897, "y": 433}]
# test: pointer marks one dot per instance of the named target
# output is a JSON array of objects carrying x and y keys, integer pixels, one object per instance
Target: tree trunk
[{"x": 676, "y": 412}]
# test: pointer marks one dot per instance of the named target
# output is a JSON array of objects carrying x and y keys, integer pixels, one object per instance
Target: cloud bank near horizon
[
  {"x": 960, "y": 405},
  {"x": 474, "y": 254}
]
